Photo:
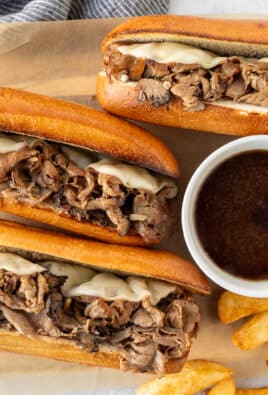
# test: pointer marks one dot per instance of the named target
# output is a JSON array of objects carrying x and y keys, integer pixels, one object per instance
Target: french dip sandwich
[
  {"x": 85, "y": 171},
  {"x": 105, "y": 305},
  {"x": 190, "y": 72}
]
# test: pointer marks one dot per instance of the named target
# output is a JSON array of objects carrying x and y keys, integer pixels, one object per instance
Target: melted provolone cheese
[
  {"x": 134, "y": 289},
  {"x": 12, "y": 143},
  {"x": 148, "y": 287},
  {"x": 75, "y": 274},
  {"x": 82, "y": 159},
  {"x": 8, "y": 144},
  {"x": 18, "y": 265},
  {"x": 172, "y": 52},
  {"x": 135, "y": 177},
  {"x": 263, "y": 60},
  {"x": 242, "y": 107}
]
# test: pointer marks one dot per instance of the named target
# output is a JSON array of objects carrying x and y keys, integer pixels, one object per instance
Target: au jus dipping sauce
[{"x": 232, "y": 215}]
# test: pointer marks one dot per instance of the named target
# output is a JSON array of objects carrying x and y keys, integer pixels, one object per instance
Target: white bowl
[{"x": 254, "y": 288}]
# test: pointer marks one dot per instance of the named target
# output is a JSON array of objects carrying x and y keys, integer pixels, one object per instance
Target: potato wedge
[
  {"x": 195, "y": 376},
  {"x": 252, "y": 391},
  {"x": 224, "y": 387},
  {"x": 253, "y": 333},
  {"x": 232, "y": 307}
]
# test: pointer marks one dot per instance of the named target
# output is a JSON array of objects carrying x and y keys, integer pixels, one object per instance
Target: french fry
[
  {"x": 195, "y": 376},
  {"x": 232, "y": 307},
  {"x": 224, "y": 387},
  {"x": 252, "y": 391},
  {"x": 253, "y": 333}
]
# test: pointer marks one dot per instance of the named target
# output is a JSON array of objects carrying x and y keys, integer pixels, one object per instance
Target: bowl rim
[{"x": 252, "y": 288}]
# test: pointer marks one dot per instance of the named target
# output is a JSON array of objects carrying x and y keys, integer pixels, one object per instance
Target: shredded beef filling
[
  {"x": 237, "y": 79},
  {"x": 41, "y": 175},
  {"x": 145, "y": 336}
]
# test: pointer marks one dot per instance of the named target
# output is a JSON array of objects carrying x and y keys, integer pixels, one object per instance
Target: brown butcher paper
[{"x": 62, "y": 59}]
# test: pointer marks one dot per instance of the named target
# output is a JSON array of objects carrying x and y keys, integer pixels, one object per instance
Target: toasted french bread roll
[
  {"x": 85, "y": 171},
  {"x": 82, "y": 301},
  {"x": 190, "y": 72}
]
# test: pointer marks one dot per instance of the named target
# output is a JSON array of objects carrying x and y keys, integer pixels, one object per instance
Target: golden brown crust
[
  {"x": 62, "y": 351},
  {"x": 213, "y": 119},
  {"x": 252, "y": 35},
  {"x": 79, "y": 125},
  {"x": 61, "y": 221},
  {"x": 143, "y": 262}
]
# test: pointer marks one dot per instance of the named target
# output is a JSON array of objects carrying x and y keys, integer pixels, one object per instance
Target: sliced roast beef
[
  {"x": 11, "y": 159},
  {"x": 172, "y": 340},
  {"x": 140, "y": 355},
  {"x": 118, "y": 61},
  {"x": 111, "y": 186},
  {"x": 44, "y": 325},
  {"x": 189, "y": 90},
  {"x": 103, "y": 203},
  {"x": 236, "y": 89},
  {"x": 27, "y": 293},
  {"x": 137, "y": 68},
  {"x": 156, "y": 314},
  {"x": 143, "y": 318},
  {"x": 157, "y": 214},
  {"x": 113, "y": 314},
  {"x": 255, "y": 75},
  {"x": 257, "y": 98},
  {"x": 49, "y": 176},
  {"x": 182, "y": 313},
  {"x": 179, "y": 68},
  {"x": 117, "y": 218},
  {"x": 230, "y": 69},
  {"x": 153, "y": 91},
  {"x": 156, "y": 70},
  {"x": 19, "y": 321},
  {"x": 84, "y": 193}
]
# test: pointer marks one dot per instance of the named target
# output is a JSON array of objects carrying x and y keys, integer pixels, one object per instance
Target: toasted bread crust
[
  {"x": 79, "y": 125},
  {"x": 138, "y": 261},
  {"x": 213, "y": 119},
  {"x": 252, "y": 35},
  {"x": 64, "y": 351},
  {"x": 64, "y": 222}
]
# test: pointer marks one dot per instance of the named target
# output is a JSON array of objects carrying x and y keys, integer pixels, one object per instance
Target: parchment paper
[{"x": 62, "y": 59}]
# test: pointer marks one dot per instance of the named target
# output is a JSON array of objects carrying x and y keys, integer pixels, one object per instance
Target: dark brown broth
[{"x": 232, "y": 215}]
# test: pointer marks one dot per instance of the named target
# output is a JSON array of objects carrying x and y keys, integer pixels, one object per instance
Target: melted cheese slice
[
  {"x": 134, "y": 289},
  {"x": 75, "y": 274},
  {"x": 263, "y": 60},
  {"x": 13, "y": 143},
  {"x": 172, "y": 52},
  {"x": 8, "y": 144},
  {"x": 135, "y": 177},
  {"x": 148, "y": 287},
  {"x": 18, "y": 265},
  {"x": 79, "y": 157}
]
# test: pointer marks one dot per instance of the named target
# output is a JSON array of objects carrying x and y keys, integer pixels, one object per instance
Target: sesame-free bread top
[
  {"x": 244, "y": 37},
  {"x": 78, "y": 125}
]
